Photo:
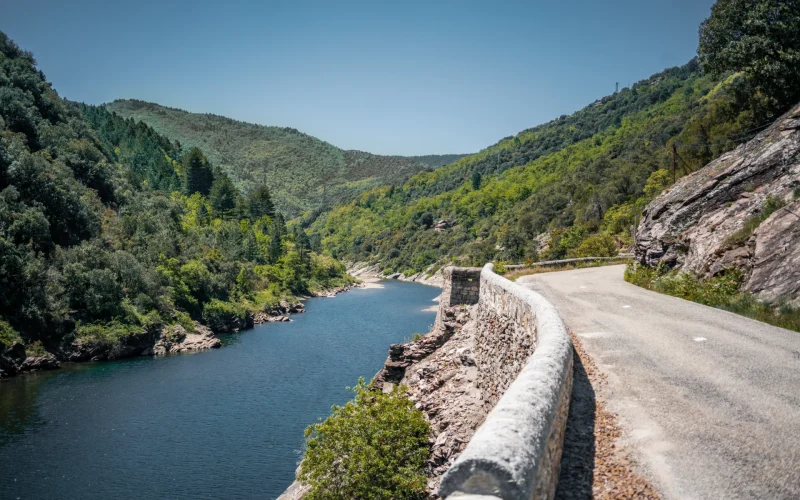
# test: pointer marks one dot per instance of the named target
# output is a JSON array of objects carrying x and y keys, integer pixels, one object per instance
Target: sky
[{"x": 391, "y": 77}]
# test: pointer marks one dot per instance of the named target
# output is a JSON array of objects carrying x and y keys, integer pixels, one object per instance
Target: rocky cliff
[{"x": 741, "y": 210}]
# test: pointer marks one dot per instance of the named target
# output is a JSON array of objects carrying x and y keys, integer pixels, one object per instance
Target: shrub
[
  {"x": 720, "y": 291},
  {"x": 374, "y": 446},
  {"x": 7, "y": 334},
  {"x": 601, "y": 245},
  {"x": 219, "y": 315},
  {"x": 36, "y": 349}
]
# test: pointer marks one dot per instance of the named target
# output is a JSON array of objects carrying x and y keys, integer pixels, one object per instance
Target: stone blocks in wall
[
  {"x": 524, "y": 356},
  {"x": 462, "y": 286}
]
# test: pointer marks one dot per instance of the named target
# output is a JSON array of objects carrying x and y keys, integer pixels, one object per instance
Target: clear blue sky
[{"x": 394, "y": 77}]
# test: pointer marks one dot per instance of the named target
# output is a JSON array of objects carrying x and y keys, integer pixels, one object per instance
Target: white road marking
[
  {"x": 583, "y": 287},
  {"x": 591, "y": 335},
  {"x": 700, "y": 339},
  {"x": 626, "y": 306}
]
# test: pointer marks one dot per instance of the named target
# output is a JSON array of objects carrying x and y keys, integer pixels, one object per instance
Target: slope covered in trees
[
  {"x": 575, "y": 186},
  {"x": 303, "y": 172},
  {"x": 108, "y": 229}
]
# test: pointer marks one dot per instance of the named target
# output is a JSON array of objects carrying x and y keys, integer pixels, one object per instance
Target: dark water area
[{"x": 226, "y": 423}]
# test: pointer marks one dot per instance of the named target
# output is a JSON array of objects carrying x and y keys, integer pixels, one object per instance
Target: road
[{"x": 709, "y": 401}]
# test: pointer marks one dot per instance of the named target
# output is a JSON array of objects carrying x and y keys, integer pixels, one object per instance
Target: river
[{"x": 226, "y": 423}]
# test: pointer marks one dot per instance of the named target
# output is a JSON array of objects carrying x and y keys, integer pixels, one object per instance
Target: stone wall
[
  {"x": 460, "y": 286},
  {"x": 524, "y": 356}
]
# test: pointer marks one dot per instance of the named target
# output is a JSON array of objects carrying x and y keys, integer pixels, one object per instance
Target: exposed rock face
[
  {"x": 176, "y": 339},
  {"x": 14, "y": 360},
  {"x": 442, "y": 378},
  {"x": 690, "y": 225}
]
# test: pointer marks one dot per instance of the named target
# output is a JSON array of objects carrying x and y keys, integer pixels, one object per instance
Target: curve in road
[{"x": 709, "y": 400}]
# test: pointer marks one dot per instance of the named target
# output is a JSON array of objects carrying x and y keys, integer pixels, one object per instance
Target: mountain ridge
[{"x": 252, "y": 154}]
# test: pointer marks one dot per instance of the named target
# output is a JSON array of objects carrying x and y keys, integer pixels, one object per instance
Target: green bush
[
  {"x": 374, "y": 446},
  {"x": 36, "y": 349},
  {"x": 601, "y": 245},
  {"x": 218, "y": 315},
  {"x": 7, "y": 334},
  {"x": 105, "y": 334}
]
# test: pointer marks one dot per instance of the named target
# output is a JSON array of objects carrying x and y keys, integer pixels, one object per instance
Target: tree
[
  {"x": 275, "y": 242},
  {"x": 198, "y": 176},
  {"x": 476, "y": 180},
  {"x": 223, "y": 196},
  {"x": 426, "y": 220},
  {"x": 760, "y": 38},
  {"x": 261, "y": 203}
]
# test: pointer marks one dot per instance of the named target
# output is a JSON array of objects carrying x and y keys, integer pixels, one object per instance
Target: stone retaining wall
[
  {"x": 461, "y": 286},
  {"x": 524, "y": 355}
]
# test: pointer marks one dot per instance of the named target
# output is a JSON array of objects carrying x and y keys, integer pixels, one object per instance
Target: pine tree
[
  {"x": 223, "y": 196},
  {"x": 275, "y": 242},
  {"x": 197, "y": 176},
  {"x": 261, "y": 203}
]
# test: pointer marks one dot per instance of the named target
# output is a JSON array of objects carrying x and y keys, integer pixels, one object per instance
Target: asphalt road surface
[{"x": 709, "y": 401}]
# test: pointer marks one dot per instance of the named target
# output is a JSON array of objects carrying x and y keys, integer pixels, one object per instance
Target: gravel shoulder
[{"x": 594, "y": 464}]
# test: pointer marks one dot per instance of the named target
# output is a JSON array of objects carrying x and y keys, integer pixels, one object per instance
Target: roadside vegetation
[
  {"x": 374, "y": 446},
  {"x": 107, "y": 228},
  {"x": 720, "y": 291}
]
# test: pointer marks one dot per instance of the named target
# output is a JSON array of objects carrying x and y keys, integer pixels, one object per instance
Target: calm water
[{"x": 226, "y": 423}]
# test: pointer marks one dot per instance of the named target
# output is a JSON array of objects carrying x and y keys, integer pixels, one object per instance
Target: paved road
[{"x": 710, "y": 401}]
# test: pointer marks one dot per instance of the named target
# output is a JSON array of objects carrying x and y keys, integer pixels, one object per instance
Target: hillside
[
  {"x": 570, "y": 187},
  {"x": 303, "y": 172},
  {"x": 106, "y": 247}
]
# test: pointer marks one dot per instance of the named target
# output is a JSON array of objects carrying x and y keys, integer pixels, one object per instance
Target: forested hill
[
  {"x": 109, "y": 230},
  {"x": 570, "y": 187},
  {"x": 303, "y": 172}
]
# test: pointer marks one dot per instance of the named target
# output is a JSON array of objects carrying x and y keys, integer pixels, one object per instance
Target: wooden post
[{"x": 674, "y": 161}]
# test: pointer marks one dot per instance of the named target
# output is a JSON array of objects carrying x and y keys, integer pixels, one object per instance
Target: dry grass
[{"x": 513, "y": 275}]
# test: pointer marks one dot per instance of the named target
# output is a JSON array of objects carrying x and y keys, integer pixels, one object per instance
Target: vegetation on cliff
[
  {"x": 108, "y": 228},
  {"x": 305, "y": 173},
  {"x": 374, "y": 446}
]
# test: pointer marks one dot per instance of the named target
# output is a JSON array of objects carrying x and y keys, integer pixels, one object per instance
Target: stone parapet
[{"x": 524, "y": 356}]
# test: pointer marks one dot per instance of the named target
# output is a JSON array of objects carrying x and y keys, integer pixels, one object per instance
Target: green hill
[
  {"x": 569, "y": 187},
  {"x": 303, "y": 172}
]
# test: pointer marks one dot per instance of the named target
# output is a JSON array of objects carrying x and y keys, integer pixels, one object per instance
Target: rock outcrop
[
  {"x": 442, "y": 378},
  {"x": 14, "y": 360},
  {"x": 711, "y": 220},
  {"x": 176, "y": 339}
]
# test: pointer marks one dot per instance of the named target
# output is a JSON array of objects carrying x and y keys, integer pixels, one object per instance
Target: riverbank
[
  {"x": 155, "y": 340},
  {"x": 364, "y": 270},
  {"x": 163, "y": 419}
]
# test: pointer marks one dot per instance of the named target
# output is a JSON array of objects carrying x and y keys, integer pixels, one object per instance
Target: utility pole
[
  {"x": 674, "y": 161},
  {"x": 617, "y": 90}
]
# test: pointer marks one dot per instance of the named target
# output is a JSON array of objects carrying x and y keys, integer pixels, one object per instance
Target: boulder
[{"x": 697, "y": 224}]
